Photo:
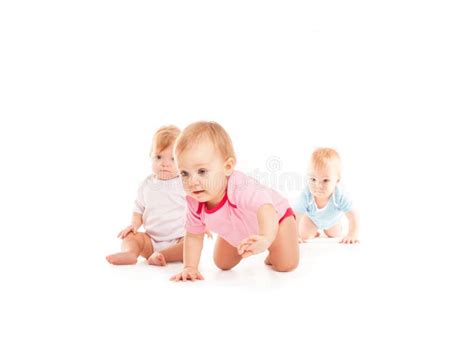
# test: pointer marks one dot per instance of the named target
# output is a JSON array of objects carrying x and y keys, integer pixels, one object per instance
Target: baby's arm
[
  {"x": 137, "y": 221},
  {"x": 353, "y": 233},
  {"x": 268, "y": 227},
  {"x": 298, "y": 217},
  {"x": 191, "y": 256}
]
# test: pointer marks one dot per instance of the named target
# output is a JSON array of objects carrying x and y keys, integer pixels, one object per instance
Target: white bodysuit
[{"x": 162, "y": 204}]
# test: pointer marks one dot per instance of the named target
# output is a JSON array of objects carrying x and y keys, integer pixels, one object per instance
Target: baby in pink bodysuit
[{"x": 248, "y": 217}]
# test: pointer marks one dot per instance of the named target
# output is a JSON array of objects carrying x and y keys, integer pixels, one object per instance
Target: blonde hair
[
  {"x": 163, "y": 138},
  {"x": 204, "y": 130},
  {"x": 322, "y": 157}
]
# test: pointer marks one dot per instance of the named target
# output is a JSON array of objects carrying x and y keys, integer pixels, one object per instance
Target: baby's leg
[
  {"x": 284, "y": 253},
  {"x": 225, "y": 255},
  {"x": 334, "y": 231},
  {"x": 307, "y": 228},
  {"x": 133, "y": 245},
  {"x": 174, "y": 253}
]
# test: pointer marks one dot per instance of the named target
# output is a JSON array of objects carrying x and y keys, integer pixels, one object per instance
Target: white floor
[{"x": 339, "y": 294}]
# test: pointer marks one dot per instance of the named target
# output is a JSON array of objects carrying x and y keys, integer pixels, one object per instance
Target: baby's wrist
[
  {"x": 190, "y": 267},
  {"x": 352, "y": 232}
]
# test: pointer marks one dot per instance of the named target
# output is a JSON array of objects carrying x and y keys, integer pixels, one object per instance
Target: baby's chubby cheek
[
  {"x": 188, "y": 189},
  {"x": 174, "y": 172}
]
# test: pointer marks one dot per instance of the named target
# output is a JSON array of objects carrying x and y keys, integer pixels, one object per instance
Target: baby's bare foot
[
  {"x": 157, "y": 259},
  {"x": 267, "y": 261},
  {"x": 122, "y": 258}
]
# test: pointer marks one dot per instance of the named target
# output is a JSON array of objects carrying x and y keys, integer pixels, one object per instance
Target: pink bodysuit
[{"x": 235, "y": 217}]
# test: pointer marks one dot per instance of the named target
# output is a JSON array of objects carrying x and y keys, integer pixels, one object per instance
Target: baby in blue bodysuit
[{"x": 322, "y": 204}]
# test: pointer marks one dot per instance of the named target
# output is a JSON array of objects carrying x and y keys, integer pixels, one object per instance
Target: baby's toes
[
  {"x": 161, "y": 260},
  {"x": 157, "y": 259}
]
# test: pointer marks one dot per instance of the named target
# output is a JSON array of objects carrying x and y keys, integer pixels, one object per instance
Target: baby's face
[
  {"x": 204, "y": 173},
  {"x": 323, "y": 180},
  {"x": 163, "y": 164}
]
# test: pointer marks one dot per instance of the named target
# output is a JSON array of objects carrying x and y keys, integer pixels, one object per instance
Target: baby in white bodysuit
[{"x": 160, "y": 208}]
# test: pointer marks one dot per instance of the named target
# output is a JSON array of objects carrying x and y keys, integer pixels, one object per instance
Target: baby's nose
[{"x": 194, "y": 181}]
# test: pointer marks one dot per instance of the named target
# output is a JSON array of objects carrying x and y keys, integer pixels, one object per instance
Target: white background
[{"x": 83, "y": 87}]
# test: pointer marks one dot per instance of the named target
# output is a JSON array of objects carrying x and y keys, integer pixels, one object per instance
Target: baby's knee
[
  {"x": 132, "y": 236},
  {"x": 333, "y": 233},
  {"x": 224, "y": 265},
  {"x": 286, "y": 266}
]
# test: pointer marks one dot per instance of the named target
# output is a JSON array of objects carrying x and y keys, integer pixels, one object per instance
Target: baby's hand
[
  {"x": 350, "y": 239},
  {"x": 123, "y": 233},
  {"x": 188, "y": 273},
  {"x": 253, "y": 245}
]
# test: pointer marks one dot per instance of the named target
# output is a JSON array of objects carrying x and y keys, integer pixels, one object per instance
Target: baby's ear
[{"x": 229, "y": 166}]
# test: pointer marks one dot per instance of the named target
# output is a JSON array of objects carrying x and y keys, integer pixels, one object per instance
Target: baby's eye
[
  {"x": 184, "y": 174},
  {"x": 313, "y": 180},
  {"x": 325, "y": 181},
  {"x": 202, "y": 171},
  {"x": 158, "y": 157},
  {"x": 172, "y": 159}
]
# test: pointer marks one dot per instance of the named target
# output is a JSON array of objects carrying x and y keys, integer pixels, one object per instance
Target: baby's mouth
[{"x": 198, "y": 192}]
